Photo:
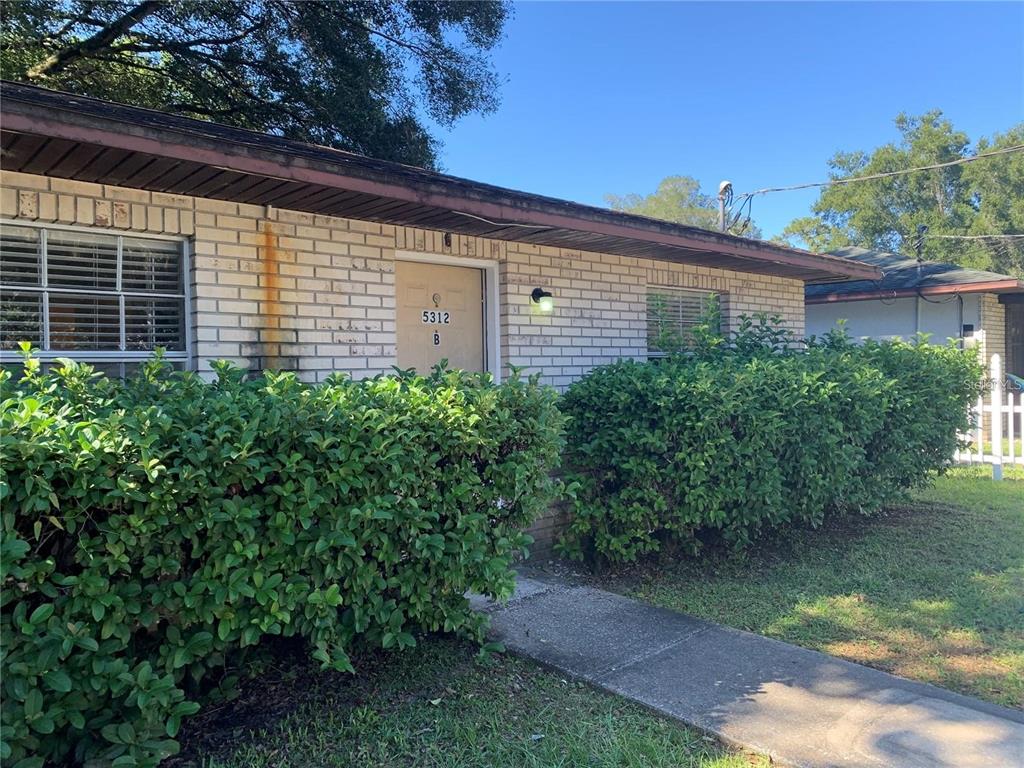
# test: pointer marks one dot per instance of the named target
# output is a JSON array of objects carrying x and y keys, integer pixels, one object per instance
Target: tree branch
[
  {"x": 72, "y": 21},
  {"x": 136, "y": 63},
  {"x": 158, "y": 45},
  {"x": 178, "y": 108},
  {"x": 444, "y": 61},
  {"x": 102, "y": 39}
]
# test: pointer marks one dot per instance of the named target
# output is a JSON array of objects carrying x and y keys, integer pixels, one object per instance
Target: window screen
[
  {"x": 672, "y": 314},
  {"x": 95, "y": 296}
]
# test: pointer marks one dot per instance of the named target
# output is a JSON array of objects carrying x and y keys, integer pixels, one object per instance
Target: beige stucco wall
[{"x": 285, "y": 289}]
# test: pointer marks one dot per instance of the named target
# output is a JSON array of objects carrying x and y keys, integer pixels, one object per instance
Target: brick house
[{"x": 125, "y": 229}]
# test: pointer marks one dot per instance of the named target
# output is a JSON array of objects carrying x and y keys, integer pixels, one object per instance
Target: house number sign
[{"x": 435, "y": 317}]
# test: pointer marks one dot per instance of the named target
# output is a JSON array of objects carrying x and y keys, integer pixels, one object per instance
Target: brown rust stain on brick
[
  {"x": 270, "y": 308},
  {"x": 270, "y": 276}
]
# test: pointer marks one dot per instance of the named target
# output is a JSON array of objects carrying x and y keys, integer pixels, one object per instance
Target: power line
[
  {"x": 978, "y": 237},
  {"x": 888, "y": 174}
]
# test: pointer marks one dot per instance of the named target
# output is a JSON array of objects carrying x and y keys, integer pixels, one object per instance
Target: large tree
[
  {"x": 680, "y": 199},
  {"x": 966, "y": 207},
  {"x": 355, "y": 75}
]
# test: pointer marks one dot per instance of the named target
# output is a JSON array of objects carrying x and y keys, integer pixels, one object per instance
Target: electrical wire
[
  {"x": 734, "y": 220},
  {"x": 502, "y": 223},
  {"x": 746, "y": 201},
  {"x": 977, "y": 237},
  {"x": 727, "y": 196},
  {"x": 747, "y": 198},
  {"x": 952, "y": 297},
  {"x": 888, "y": 174}
]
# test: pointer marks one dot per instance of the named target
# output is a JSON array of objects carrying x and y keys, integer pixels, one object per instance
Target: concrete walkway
[{"x": 800, "y": 707}]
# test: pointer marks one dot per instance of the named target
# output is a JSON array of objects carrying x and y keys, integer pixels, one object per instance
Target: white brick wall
[
  {"x": 601, "y": 305},
  {"x": 284, "y": 289}
]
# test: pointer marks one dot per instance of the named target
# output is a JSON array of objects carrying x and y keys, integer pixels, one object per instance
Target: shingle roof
[{"x": 905, "y": 276}]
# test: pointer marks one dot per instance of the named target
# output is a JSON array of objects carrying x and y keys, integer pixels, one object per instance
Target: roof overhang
[
  {"x": 994, "y": 286},
  {"x": 58, "y": 134}
]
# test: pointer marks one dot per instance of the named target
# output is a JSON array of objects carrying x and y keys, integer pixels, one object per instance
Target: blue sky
[{"x": 614, "y": 96}]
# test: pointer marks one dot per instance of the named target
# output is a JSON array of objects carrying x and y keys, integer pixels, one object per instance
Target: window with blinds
[
  {"x": 97, "y": 296},
  {"x": 672, "y": 314}
]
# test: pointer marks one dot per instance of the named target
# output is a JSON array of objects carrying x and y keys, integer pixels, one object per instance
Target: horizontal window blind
[
  {"x": 672, "y": 314},
  {"x": 152, "y": 323},
  {"x": 21, "y": 317},
  {"x": 19, "y": 257},
  {"x": 83, "y": 261},
  {"x": 151, "y": 266},
  {"x": 80, "y": 321},
  {"x": 100, "y": 296}
]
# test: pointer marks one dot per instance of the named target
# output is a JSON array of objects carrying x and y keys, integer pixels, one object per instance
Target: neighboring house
[
  {"x": 126, "y": 229},
  {"x": 980, "y": 309}
]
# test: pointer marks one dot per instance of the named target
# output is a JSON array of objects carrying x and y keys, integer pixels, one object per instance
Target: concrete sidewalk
[{"x": 800, "y": 707}]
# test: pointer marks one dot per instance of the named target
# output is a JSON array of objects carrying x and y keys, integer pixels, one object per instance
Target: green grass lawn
[
  {"x": 437, "y": 706},
  {"x": 931, "y": 590}
]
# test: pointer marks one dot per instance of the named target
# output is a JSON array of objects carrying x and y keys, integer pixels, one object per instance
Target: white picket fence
[{"x": 997, "y": 437}]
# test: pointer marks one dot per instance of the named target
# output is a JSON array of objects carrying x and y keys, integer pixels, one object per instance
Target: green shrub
[
  {"x": 735, "y": 438},
  {"x": 155, "y": 531}
]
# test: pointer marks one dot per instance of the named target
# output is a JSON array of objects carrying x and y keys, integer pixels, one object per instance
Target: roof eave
[
  {"x": 22, "y": 115},
  {"x": 994, "y": 286}
]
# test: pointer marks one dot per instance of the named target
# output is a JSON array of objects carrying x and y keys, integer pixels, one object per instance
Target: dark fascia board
[
  {"x": 996, "y": 286},
  {"x": 32, "y": 110}
]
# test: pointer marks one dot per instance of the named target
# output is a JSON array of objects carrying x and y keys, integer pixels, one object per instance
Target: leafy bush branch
[
  {"x": 735, "y": 435},
  {"x": 156, "y": 532}
]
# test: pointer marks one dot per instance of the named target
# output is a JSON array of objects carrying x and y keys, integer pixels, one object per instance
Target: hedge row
[
  {"x": 154, "y": 532},
  {"x": 744, "y": 436}
]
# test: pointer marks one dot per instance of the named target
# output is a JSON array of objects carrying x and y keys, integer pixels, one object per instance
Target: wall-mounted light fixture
[{"x": 543, "y": 299}]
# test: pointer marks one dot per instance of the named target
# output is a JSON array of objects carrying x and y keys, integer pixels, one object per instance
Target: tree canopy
[
  {"x": 362, "y": 76},
  {"x": 963, "y": 206},
  {"x": 678, "y": 199}
]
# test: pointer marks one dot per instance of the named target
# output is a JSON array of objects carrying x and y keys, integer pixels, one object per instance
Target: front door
[{"x": 440, "y": 316}]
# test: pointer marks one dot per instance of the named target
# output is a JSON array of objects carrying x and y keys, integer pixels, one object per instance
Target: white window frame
[
  {"x": 492, "y": 318},
  {"x": 654, "y": 354},
  {"x": 46, "y": 354}
]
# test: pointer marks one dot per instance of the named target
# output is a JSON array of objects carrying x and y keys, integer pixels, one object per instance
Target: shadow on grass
[{"x": 929, "y": 591}]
